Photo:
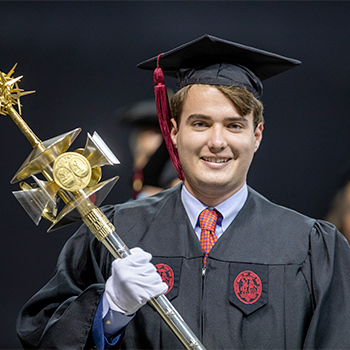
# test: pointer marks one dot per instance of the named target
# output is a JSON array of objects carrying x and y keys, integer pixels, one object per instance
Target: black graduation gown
[{"x": 275, "y": 279}]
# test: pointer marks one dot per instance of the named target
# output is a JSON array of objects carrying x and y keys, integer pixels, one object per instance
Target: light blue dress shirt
[{"x": 228, "y": 209}]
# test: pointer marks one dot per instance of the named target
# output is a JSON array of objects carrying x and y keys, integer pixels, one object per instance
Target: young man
[{"x": 273, "y": 277}]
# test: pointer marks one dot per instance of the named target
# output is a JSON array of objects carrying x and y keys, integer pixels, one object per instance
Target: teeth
[{"x": 216, "y": 160}]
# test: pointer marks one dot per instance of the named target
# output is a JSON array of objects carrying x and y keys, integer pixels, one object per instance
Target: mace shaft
[
  {"x": 104, "y": 231},
  {"x": 24, "y": 127}
]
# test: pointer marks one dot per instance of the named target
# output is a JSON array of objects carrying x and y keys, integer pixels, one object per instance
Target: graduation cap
[
  {"x": 140, "y": 114},
  {"x": 213, "y": 61}
]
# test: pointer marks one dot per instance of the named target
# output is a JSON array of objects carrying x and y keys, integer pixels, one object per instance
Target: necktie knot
[{"x": 208, "y": 219}]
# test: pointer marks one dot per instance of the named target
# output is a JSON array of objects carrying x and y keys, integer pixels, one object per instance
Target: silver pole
[
  {"x": 104, "y": 231},
  {"x": 161, "y": 303}
]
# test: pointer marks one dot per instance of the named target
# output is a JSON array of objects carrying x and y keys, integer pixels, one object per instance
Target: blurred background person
[
  {"x": 152, "y": 169},
  {"x": 159, "y": 173},
  {"x": 339, "y": 211}
]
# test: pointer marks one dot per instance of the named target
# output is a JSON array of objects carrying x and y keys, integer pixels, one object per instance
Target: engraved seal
[
  {"x": 72, "y": 171},
  {"x": 167, "y": 275},
  {"x": 248, "y": 287}
]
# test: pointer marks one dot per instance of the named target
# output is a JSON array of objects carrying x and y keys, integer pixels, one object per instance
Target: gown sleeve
[
  {"x": 61, "y": 314},
  {"x": 330, "y": 282}
]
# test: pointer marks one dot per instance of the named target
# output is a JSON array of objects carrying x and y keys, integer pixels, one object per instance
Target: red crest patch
[
  {"x": 248, "y": 287},
  {"x": 167, "y": 274}
]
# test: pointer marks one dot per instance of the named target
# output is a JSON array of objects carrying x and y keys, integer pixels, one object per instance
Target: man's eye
[
  {"x": 235, "y": 126},
  {"x": 199, "y": 124}
]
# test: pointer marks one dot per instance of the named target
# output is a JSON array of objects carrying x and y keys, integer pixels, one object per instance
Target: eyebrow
[{"x": 193, "y": 117}]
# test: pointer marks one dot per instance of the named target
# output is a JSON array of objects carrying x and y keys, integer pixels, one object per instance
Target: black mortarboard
[
  {"x": 214, "y": 61},
  {"x": 140, "y": 114}
]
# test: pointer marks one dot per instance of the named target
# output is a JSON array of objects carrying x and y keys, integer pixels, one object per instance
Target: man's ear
[
  {"x": 258, "y": 133},
  {"x": 173, "y": 131}
]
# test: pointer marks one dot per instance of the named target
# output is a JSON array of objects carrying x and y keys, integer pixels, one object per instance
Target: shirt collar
[{"x": 228, "y": 209}]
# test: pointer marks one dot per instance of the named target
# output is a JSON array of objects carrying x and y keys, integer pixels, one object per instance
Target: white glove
[{"x": 133, "y": 282}]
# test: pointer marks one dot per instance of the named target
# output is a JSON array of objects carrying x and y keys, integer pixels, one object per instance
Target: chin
[{"x": 215, "y": 184}]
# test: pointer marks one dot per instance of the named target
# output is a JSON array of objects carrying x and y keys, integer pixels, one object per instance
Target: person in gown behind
[{"x": 339, "y": 210}]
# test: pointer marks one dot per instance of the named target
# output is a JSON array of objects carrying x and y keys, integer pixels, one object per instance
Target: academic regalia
[{"x": 275, "y": 279}]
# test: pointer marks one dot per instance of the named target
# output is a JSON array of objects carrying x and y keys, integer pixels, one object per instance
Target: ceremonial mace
[{"x": 74, "y": 177}]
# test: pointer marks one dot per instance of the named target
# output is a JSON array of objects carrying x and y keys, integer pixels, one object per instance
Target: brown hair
[{"x": 243, "y": 100}]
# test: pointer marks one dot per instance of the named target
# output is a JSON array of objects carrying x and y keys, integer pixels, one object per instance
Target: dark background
[{"x": 81, "y": 58}]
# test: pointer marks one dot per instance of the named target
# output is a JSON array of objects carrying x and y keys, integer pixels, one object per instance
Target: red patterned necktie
[{"x": 207, "y": 221}]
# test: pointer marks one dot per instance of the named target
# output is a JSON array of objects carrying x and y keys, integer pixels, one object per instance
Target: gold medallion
[{"x": 72, "y": 171}]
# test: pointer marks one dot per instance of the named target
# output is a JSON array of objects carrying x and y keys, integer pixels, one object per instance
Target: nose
[{"x": 217, "y": 140}]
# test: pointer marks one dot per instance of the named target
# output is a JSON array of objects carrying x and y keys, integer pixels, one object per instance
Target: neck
[{"x": 211, "y": 197}]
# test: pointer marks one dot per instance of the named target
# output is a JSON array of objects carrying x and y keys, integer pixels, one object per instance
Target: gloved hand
[{"x": 133, "y": 282}]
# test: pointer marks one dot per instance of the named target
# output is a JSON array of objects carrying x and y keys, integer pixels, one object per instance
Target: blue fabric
[{"x": 100, "y": 340}]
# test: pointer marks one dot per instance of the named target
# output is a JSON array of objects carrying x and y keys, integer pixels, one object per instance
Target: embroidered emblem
[
  {"x": 248, "y": 287},
  {"x": 167, "y": 274}
]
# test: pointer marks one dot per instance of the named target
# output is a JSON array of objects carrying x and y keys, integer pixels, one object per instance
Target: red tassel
[{"x": 164, "y": 116}]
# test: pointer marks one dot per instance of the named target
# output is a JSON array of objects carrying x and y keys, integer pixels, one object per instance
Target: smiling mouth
[{"x": 216, "y": 160}]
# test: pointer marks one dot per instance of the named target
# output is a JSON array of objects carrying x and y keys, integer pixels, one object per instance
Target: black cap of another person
[
  {"x": 141, "y": 114},
  {"x": 214, "y": 61}
]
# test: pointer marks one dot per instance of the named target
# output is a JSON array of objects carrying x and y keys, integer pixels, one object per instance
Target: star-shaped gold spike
[
  {"x": 12, "y": 70},
  {"x": 10, "y": 92},
  {"x": 13, "y": 81}
]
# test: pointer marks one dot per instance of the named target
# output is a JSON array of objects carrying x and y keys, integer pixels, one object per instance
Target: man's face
[{"x": 215, "y": 144}]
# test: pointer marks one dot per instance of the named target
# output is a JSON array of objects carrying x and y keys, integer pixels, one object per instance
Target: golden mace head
[
  {"x": 10, "y": 92},
  {"x": 72, "y": 176}
]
